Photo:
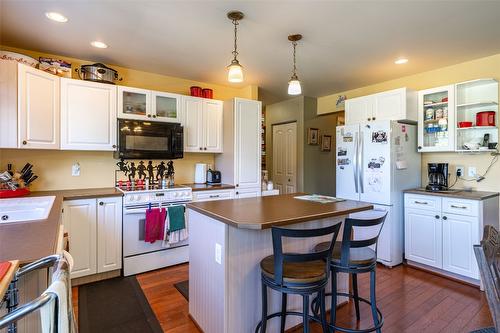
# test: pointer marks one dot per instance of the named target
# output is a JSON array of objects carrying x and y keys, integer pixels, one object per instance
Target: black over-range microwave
[{"x": 139, "y": 139}]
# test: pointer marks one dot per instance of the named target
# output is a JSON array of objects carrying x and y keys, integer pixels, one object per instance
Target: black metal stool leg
[
  {"x": 333, "y": 307},
  {"x": 322, "y": 301},
  {"x": 305, "y": 314},
  {"x": 356, "y": 295},
  {"x": 264, "y": 309},
  {"x": 373, "y": 299},
  {"x": 283, "y": 311}
]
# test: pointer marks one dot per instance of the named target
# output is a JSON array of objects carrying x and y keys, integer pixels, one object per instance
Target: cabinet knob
[
  {"x": 289, "y": 180},
  {"x": 373, "y": 118},
  {"x": 237, "y": 192},
  {"x": 437, "y": 217},
  {"x": 419, "y": 147},
  {"x": 101, "y": 203},
  {"x": 201, "y": 148},
  {"x": 445, "y": 218},
  {"x": 114, "y": 146},
  {"x": 24, "y": 142},
  {"x": 149, "y": 116},
  {"x": 154, "y": 116},
  {"x": 368, "y": 119},
  {"x": 205, "y": 148},
  {"x": 237, "y": 185}
]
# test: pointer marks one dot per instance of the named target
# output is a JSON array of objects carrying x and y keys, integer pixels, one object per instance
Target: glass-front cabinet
[
  {"x": 436, "y": 119},
  {"x": 142, "y": 104}
]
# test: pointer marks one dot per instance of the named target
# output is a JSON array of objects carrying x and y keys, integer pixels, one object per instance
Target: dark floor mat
[
  {"x": 115, "y": 305},
  {"x": 183, "y": 288}
]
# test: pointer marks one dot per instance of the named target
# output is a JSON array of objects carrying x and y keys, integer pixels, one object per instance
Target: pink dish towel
[{"x": 154, "y": 225}]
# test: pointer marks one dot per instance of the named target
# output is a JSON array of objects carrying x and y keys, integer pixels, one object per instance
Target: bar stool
[
  {"x": 354, "y": 257},
  {"x": 297, "y": 273}
]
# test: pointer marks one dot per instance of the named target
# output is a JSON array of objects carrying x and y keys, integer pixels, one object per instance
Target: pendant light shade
[
  {"x": 294, "y": 87},
  {"x": 235, "y": 70}
]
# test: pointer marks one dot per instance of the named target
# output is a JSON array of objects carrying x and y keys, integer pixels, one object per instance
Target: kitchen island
[{"x": 228, "y": 238}]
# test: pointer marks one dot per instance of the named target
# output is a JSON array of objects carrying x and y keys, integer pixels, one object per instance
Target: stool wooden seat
[
  {"x": 361, "y": 256},
  {"x": 297, "y": 272}
]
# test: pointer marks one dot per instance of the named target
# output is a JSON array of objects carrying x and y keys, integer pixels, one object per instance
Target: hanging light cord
[
  {"x": 235, "y": 52},
  {"x": 294, "y": 75}
]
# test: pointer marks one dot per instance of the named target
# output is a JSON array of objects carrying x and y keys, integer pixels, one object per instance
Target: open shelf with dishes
[{"x": 476, "y": 115}]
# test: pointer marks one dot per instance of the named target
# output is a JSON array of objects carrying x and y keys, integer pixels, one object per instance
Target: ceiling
[{"x": 346, "y": 44}]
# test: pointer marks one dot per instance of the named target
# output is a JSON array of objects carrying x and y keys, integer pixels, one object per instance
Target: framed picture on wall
[
  {"x": 312, "y": 136},
  {"x": 326, "y": 143}
]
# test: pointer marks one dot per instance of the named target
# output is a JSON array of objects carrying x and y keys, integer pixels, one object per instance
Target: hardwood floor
[{"x": 411, "y": 301}]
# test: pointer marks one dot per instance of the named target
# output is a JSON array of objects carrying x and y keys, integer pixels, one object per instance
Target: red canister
[
  {"x": 485, "y": 118},
  {"x": 196, "y": 91},
  {"x": 208, "y": 93}
]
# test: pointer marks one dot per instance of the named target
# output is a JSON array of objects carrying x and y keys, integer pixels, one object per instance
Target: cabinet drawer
[
  {"x": 461, "y": 206},
  {"x": 426, "y": 202},
  {"x": 213, "y": 195}
]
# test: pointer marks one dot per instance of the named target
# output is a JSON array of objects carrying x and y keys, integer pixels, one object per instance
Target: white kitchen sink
[{"x": 25, "y": 209}]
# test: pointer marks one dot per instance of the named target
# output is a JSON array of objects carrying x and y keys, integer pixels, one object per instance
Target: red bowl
[
  {"x": 196, "y": 91},
  {"x": 464, "y": 124}
]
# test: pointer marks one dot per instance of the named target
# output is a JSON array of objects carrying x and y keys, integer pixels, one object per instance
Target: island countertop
[{"x": 280, "y": 210}]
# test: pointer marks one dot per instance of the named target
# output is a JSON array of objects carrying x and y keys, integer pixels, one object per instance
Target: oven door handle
[{"x": 142, "y": 210}]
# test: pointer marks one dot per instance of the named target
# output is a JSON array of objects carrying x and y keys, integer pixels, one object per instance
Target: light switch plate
[
  {"x": 218, "y": 253},
  {"x": 75, "y": 169},
  {"x": 472, "y": 172}
]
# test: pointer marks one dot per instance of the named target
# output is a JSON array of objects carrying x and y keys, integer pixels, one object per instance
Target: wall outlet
[
  {"x": 75, "y": 169},
  {"x": 460, "y": 171},
  {"x": 472, "y": 172},
  {"x": 218, "y": 253}
]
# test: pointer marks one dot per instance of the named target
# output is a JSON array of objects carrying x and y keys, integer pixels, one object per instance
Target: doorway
[{"x": 285, "y": 157}]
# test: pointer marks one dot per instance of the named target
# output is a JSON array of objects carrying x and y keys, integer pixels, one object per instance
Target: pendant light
[
  {"x": 235, "y": 70},
  {"x": 294, "y": 87}
]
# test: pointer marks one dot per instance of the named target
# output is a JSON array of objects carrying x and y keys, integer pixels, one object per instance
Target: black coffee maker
[{"x": 438, "y": 177}]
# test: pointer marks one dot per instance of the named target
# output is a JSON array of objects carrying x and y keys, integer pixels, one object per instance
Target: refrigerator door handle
[
  {"x": 355, "y": 166},
  {"x": 360, "y": 160}
]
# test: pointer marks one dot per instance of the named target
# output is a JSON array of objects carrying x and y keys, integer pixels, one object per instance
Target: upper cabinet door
[
  {"x": 38, "y": 94},
  {"x": 166, "y": 107},
  {"x": 390, "y": 105},
  {"x": 88, "y": 115},
  {"x": 134, "y": 103},
  {"x": 212, "y": 126},
  {"x": 358, "y": 110},
  {"x": 247, "y": 140},
  {"x": 193, "y": 123},
  {"x": 436, "y": 119}
]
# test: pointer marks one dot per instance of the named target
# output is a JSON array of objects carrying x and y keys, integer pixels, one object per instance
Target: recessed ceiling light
[
  {"x": 99, "y": 45},
  {"x": 58, "y": 17},
  {"x": 401, "y": 61}
]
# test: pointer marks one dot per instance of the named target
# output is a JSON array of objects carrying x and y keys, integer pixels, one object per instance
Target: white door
[
  {"x": 347, "y": 173},
  {"x": 423, "y": 237},
  {"x": 375, "y": 159},
  {"x": 88, "y": 115},
  {"x": 109, "y": 234},
  {"x": 285, "y": 157},
  {"x": 247, "y": 143},
  {"x": 390, "y": 105},
  {"x": 247, "y": 192},
  {"x": 38, "y": 94},
  {"x": 134, "y": 103},
  {"x": 193, "y": 123},
  {"x": 166, "y": 107},
  {"x": 212, "y": 126},
  {"x": 358, "y": 110},
  {"x": 80, "y": 221},
  {"x": 460, "y": 234}
]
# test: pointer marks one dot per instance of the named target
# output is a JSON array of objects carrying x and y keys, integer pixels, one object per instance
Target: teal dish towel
[{"x": 176, "y": 218}]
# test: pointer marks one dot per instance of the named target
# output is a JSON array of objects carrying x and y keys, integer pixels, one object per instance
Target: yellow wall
[
  {"x": 97, "y": 168},
  {"x": 488, "y": 67}
]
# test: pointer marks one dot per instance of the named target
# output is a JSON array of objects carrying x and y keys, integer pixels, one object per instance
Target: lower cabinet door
[
  {"x": 460, "y": 234},
  {"x": 423, "y": 237},
  {"x": 79, "y": 220},
  {"x": 247, "y": 193},
  {"x": 109, "y": 234}
]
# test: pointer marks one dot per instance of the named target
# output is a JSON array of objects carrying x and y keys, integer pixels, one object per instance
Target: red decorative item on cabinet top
[
  {"x": 13, "y": 194},
  {"x": 208, "y": 93},
  {"x": 485, "y": 118},
  {"x": 196, "y": 91}
]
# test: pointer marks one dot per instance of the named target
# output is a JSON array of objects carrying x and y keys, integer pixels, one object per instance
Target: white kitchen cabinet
[
  {"x": 249, "y": 192},
  {"x": 109, "y": 234},
  {"x": 80, "y": 221},
  {"x": 213, "y": 195},
  {"x": 38, "y": 113},
  {"x": 134, "y": 103},
  {"x": 240, "y": 164},
  {"x": 202, "y": 120},
  {"x": 440, "y": 232},
  {"x": 94, "y": 227},
  {"x": 88, "y": 115},
  {"x": 166, "y": 107},
  {"x": 397, "y": 104}
]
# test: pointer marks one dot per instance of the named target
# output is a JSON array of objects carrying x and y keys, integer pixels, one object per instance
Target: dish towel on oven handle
[
  {"x": 176, "y": 228},
  {"x": 154, "y": 225}
]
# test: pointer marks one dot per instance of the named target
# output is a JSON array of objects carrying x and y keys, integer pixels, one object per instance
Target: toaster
[{"x": 213, "y": 177}]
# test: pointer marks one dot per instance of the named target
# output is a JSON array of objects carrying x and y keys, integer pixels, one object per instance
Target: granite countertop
[
  {"x": 461, "y": 194},
  {"x": 29, "y": 241},
  {"x": 280, "y": 210},
  {"x": 209, "y": 187}
]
